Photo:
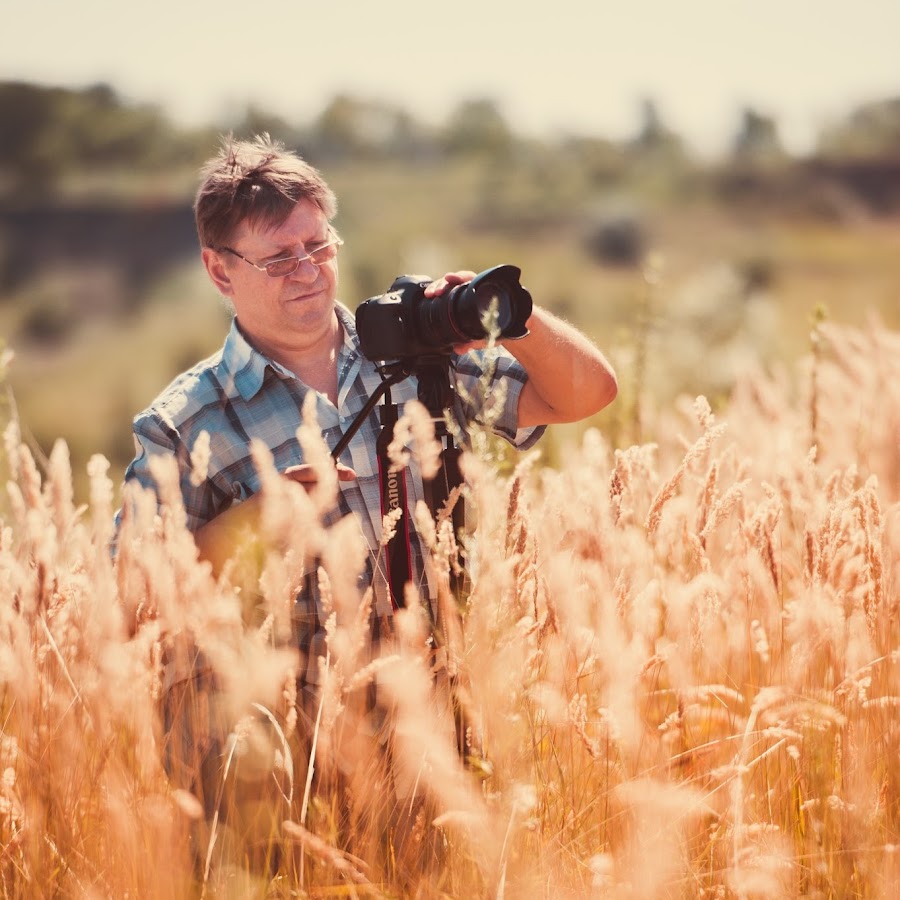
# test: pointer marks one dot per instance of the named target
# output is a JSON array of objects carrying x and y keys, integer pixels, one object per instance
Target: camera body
[{"x": 404, "y": 324}]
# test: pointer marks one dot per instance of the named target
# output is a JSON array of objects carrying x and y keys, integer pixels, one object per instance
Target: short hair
[{"x": 258, "y": 181}]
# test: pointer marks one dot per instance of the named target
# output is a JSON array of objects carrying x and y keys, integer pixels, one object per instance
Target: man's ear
[{"x": 217, "y": 272}]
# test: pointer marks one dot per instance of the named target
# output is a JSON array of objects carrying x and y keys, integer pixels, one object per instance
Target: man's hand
[
  {"x": 451, "y": 280},
  {"x": 237, "y": 529},
  {"x": 305, "y": 474}
]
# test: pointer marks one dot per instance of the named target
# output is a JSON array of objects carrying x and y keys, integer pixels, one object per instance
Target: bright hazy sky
[{"x": 552, "y": 65}]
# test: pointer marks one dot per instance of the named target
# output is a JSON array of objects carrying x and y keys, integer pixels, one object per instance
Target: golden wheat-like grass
[{"x": 676, "y": 675}]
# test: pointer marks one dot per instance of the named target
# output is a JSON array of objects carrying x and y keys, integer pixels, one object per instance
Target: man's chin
[
  {"x": 323, "y": 299},
  {"x": 306, "y": 298}
]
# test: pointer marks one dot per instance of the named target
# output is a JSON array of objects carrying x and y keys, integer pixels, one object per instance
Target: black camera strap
[
  {"x": 392, "y": 481},
  {"x": 392, "y": 485},
  {"x": 435, "y": 392}
]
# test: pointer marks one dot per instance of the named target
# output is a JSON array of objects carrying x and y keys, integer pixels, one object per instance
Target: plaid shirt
[{"x": 238, "y": 395}]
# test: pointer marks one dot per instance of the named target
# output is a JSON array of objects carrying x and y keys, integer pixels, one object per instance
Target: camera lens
[
  {"x": 459, "y": 315},
  {"x": 492, "y": 292},
  {"x": 436, "y": 324}
]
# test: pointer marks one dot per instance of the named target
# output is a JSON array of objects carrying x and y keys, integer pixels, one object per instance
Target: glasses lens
[
  {"x": 322, "y": 254},
  {"x": 317, "y": 256},
  {"x": 282, "y": 267}
]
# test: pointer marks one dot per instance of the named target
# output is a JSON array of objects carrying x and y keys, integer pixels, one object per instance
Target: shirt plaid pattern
[{"x": 238, "y": 395}]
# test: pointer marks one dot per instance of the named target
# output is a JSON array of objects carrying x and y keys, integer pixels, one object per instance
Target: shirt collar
[
  {"x": 245, "y": 367},
  {"x": 348, "y": 322}
]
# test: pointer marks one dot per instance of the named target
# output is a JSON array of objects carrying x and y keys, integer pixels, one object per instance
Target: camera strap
[{"x": 392, "y": 482}]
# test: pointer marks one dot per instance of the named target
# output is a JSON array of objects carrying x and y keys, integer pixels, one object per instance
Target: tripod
[{"x": 435, "y": 391}]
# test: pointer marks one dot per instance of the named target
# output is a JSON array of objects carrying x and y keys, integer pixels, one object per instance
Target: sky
[{"x": 553, "y": 66}]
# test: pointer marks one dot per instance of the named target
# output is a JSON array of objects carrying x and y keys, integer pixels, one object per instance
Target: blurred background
[{"x": 691, "y": 183}]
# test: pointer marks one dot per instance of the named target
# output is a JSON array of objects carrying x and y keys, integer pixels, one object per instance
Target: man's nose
[{"x": 307, "y": 271}]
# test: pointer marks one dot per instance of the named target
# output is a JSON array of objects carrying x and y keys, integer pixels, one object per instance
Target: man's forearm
[
  {"x": 231, "y": 535},
  {"x": 236, "y": 534},
  {"x": 568, "y": 377}
]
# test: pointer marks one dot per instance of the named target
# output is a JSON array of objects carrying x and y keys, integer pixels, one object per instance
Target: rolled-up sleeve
[{"x": 489, "y": 384}]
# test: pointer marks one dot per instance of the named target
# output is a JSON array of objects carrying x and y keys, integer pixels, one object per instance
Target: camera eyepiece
[{"x": 404, "y": 324}]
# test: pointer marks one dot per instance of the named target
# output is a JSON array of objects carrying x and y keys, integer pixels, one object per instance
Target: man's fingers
[
  {"x": 306, "y": 474},
  {"x": 303, "y": 473},
  {"x": 436, "y": 288}
]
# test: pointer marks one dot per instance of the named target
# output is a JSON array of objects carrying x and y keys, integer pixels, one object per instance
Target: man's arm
[
  {"x": 236, "y": 535},
  {"x": 231, "y": 533},
  {"x": 568, "y": 377}
]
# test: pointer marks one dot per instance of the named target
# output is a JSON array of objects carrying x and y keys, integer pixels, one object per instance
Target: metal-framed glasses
[{"x": 287, "y": 265}]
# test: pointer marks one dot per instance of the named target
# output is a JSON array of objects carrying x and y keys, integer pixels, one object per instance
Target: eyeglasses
[{"x": 287, "y": 265}]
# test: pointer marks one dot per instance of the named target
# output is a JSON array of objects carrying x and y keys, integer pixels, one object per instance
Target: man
[{"x": 264, "y": 223}]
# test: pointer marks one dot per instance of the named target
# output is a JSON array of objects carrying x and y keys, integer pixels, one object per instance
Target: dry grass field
[{"x": 678, "y": 670}]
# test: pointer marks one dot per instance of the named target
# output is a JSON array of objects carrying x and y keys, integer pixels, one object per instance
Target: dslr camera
[{"x": 404, "y": 324}]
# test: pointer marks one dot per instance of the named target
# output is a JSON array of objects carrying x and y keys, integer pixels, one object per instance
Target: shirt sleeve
[
  {"x": 154, "y": 437},
  {"x": 488, "y": 386}
]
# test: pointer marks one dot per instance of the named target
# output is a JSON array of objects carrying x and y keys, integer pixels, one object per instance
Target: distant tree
[
  {"x": 602, "y": 161},
  {"x": 96, "y": 129},
  {"x": 257, "y": 119},
  {"x": 478, "y": 127},
  {"x": 366, "y": 129},
  {"x": 870, "y": 131},
  {"x": 48, "y": 132},
  {"x": 654, "y": 138},
  {"x": 26, "y": 111},
  {"x": 411, "y": 139},
  {"x": 757, "y": 142}
]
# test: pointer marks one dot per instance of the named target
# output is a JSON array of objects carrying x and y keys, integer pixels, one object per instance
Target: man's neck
[
  {"x": 314, "y": 363},
  {"x": 317, "y": 368}
]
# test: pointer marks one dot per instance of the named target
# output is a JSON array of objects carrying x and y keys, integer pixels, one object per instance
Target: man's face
[{"x": 296, "y": 309}]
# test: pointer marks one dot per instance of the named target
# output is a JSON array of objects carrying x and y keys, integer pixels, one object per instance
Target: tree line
[{"x": 49, "y": 133}]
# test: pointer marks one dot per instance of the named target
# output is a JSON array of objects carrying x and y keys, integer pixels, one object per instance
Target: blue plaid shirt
[{"x": 239, "y": 394}]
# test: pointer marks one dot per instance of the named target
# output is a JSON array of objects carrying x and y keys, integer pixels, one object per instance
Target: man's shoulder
[{"x": 189, "y": 392}]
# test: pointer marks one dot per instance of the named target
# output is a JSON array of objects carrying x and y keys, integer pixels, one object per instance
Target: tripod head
[{"x": 435, "y": 391}]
